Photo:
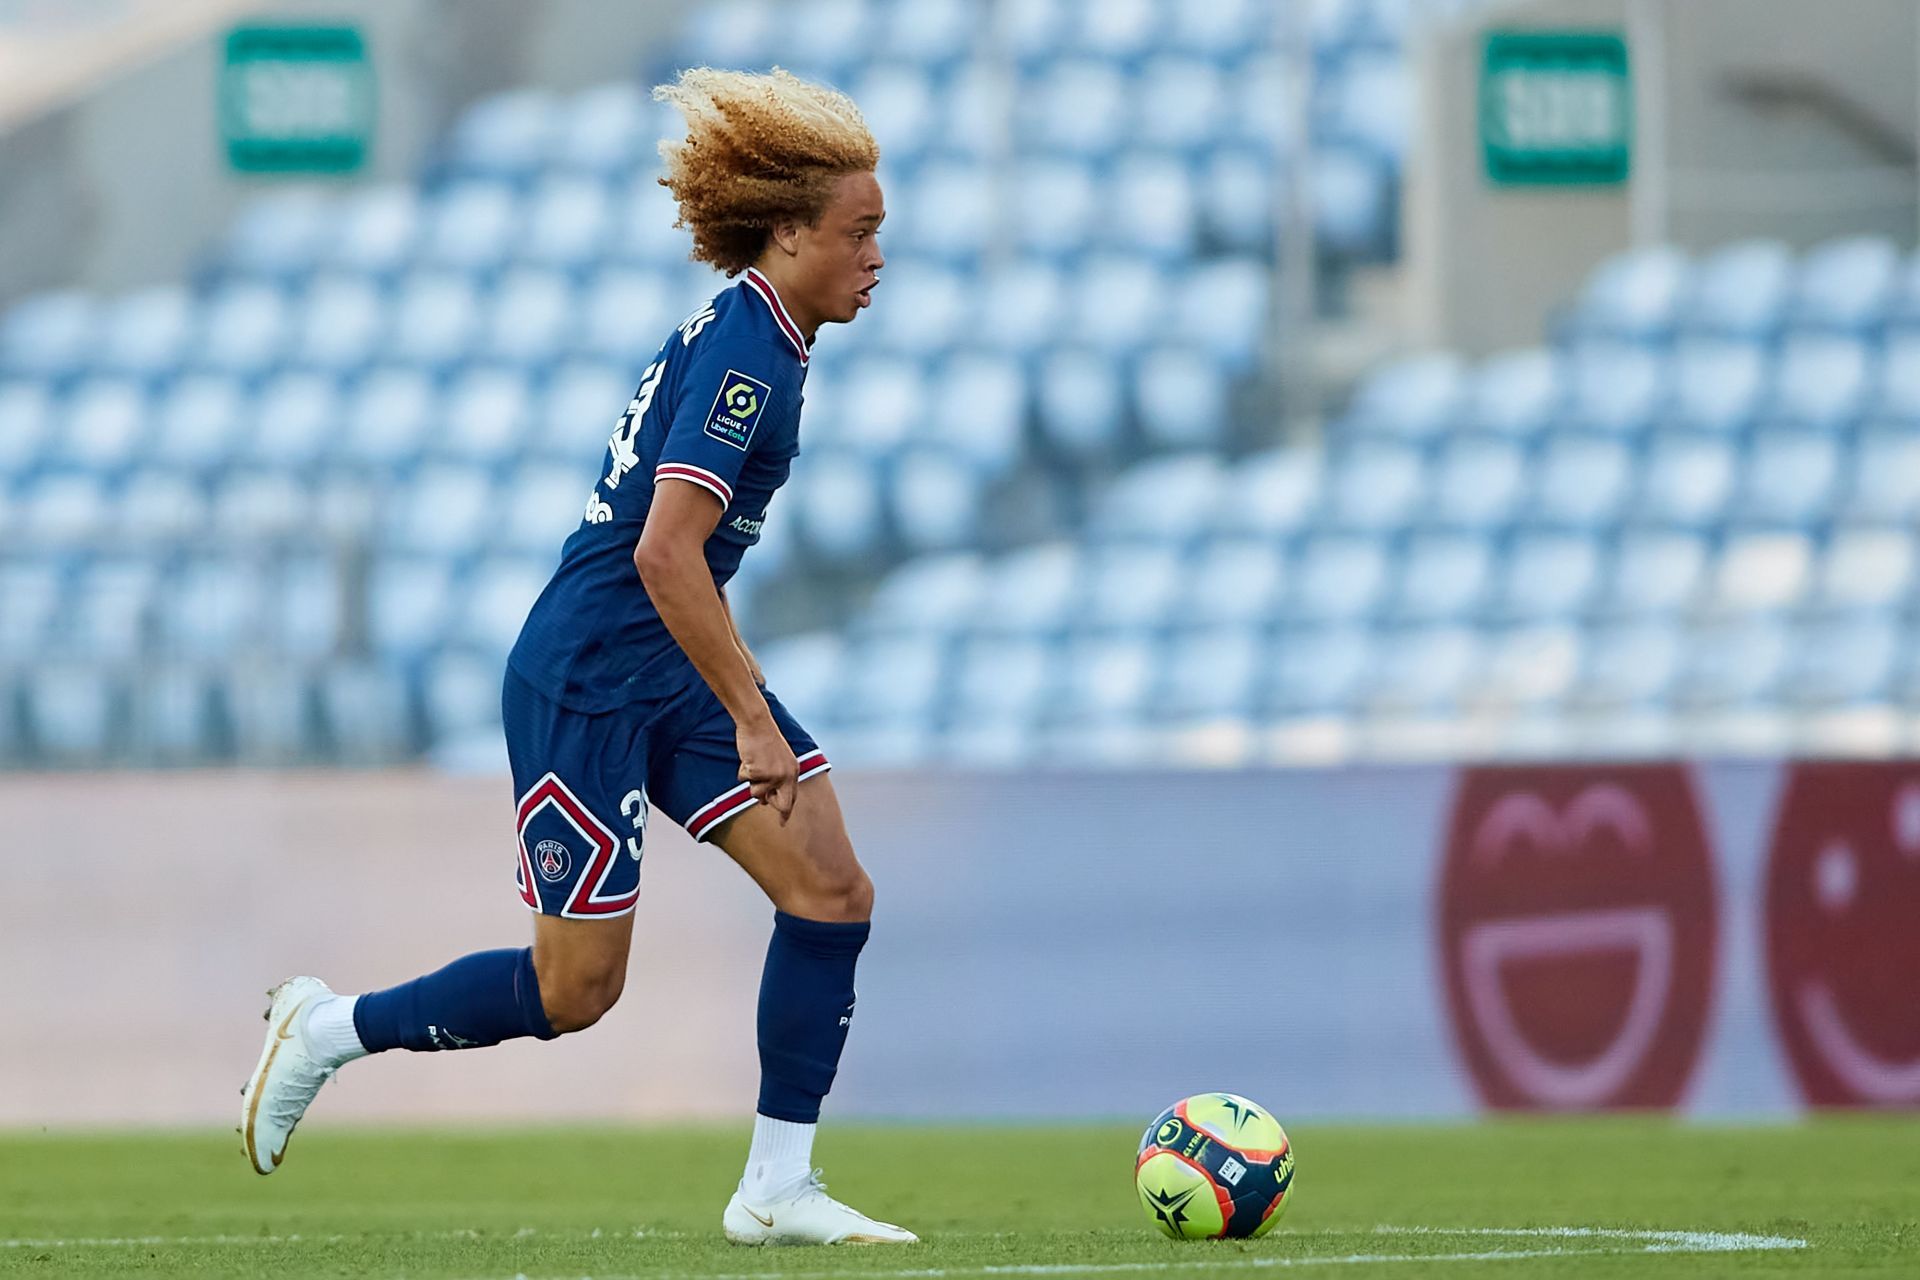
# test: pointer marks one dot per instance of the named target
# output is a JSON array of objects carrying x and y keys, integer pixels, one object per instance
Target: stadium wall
[{"x": 1725, "y": 939}]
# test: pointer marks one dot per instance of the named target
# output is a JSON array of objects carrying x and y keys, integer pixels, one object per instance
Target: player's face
[{"x": 839, "y": 257}]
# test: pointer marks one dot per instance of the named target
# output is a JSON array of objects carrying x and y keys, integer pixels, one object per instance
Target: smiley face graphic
[
  {"x": 1843, "y": 945},
  {"x": 1577, "y": 926}
]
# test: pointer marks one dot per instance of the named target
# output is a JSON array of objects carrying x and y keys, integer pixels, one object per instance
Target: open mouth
[{"x": 866, "y": 295}]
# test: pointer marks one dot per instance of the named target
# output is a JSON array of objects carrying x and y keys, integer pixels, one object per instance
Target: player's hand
[{"x": 768, "y": 766}]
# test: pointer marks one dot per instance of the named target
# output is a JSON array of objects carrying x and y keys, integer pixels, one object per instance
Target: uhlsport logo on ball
[{"x": 1214, "y": 1166}]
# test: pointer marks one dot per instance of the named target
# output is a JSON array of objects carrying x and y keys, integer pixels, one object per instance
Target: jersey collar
[{"x": 771, "y": 296}]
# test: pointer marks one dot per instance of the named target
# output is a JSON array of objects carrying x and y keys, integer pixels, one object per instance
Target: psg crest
[{"x": 552, "y": 858}]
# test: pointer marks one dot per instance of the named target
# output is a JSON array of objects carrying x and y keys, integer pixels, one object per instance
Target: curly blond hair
[{"x": 759, "y": 148}]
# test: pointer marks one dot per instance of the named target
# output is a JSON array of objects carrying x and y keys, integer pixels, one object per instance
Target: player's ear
[{"x": 785, "y": 235}]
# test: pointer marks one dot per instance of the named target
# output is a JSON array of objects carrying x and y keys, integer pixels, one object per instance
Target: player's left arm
[{"x": 753, "y": 664}]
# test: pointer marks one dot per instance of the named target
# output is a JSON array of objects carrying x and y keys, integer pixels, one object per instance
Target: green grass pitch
[{"x": 1826, "y": 1198}]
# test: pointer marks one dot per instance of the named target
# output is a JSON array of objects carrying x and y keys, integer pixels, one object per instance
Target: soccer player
[{"x": 630, "y": 685}]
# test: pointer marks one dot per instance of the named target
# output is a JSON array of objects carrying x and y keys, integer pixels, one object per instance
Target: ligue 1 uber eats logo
[
  {"x": 736, "y": 409},
  {"x": 1577, "y": 925}
]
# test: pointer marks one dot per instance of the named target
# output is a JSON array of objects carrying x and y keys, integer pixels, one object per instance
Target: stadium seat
[
  {"x": 367, "y": 711},
  {"x": 32, "y": 591},
  {"x": 1032, "y": 590},
  {"x": 493, "y": 604},
  {"x": 1105, "y": 676},
  {"x": 1821, "y": 382},
  {"x": 1884, "y": 480},
  {"x": 1371, "y": 101},
  {"x": 1220, "y": 30},
  {"x": 1413, "y": 399},
  {"x": 74, "y": 710},
  {"x": 1179, "y": 101},
  {"x": 895, "y": 678},
  {"x": 1687, "y": 479},
  {"x": 1739, "y": 290},
  {"x": 979, "y": 407},
  {"x": 172, "y": 713},
  {"x": 1655, "y": 573},
  {"x": 1582, "y": 481},
  {"x": 1865, "y": 567},
  {"x": 65, "y": 509},
  {"x": 837, "y": 503},
  {"x": 1514, "y": 394},
  {"x": 1527, "y": 667},
  {"x": 281, "y": 235},
  {"x": 1441, "y": 577},
  {"x": 1738, "y": 661},
  {"x": 212, "y": 605},
  {"x": 530, "y": 318},
  {"x": 1477, "y": 482},
  {"x": 1789, "y": 478},
  {"x": 937, "y": 592},
  {"x": 1374, "y": 486},
  {"x": 26, "y": 421},
  {"x": 644, "y": 235},
  {"x": 1222, "y": 307},
  {"x": 581, "y": 403},
  {"x": 306, "y": 606},
  {"x": 604, "y": 131},
  {"x": 160, "y": 506},
  {"x": 436, "y": 315},
  {"x": 255, "y": 507},
  {"x": 1843, "y": 658},
  {"x": 199, "y": 420},
  {"x": 509, "y": 135},
  {"x": 295, "y": 420},
  {"x": 102, "y": 422},
  {"x": 1273, "y": 493},
  {"x": 1844, "y": 285},
  {"x": 1169, "y": 498},
  {"x": 949, "y": 215},
  {"x": 1119, "y": 303},
  {"x": 1130, "y": 586},
  {"x": 1353, "y": 204},
  {"x": 1635, "y": 295},
  {"x": 898, "y": 103},
  {"x": 244, "y": 330},
  {"x": 471, "y": 226},
  {"x": 925, "y": 309},
  {"x": 1242, "y": 192},
  {"x": 270, "y": 714},
  {"x": 1615, "y": 387},
  {"x": 1183, "y": 398},
  {"x": 1895, "y": 395},
  {"x": 805, "y": 672},
  {"x": 538, "y": 508},
  {"x": 1233, "y": 580},
  {"x": 1212, "y": 672},
  {"x": 1079, "y": 399},
  {"x": 487, "y": 411},
  {"x": 341, "y": 326},
  {"x": 1761, "y": 572},
  {"x": 1421, "y": 669},
  {"x": 1056, "y": 203},
  {"x": 1151, "y": 208},
  {"x": 935, "y": 498},
  {"x": 376, "y": 229},
  {"x": 460, "y": 696},
  {"x": 1633, "y": 663},
  {"x": 1547, "y": 576},
  {"x": 1318, "y": 670},
  {"x": 147, "y": 332},
  {"x": 1001, "y": 678},
  {"x": 410, "y": 601},
  {"x": 49, "y": 334},
  {"x": 930, "y": 33},
  {"x": 107, "y": 614},
  {"x": 445, "y": 507},
  {"x": 1336, "y": 579},
  {"x": 886, "y": 398},
  {"x": 388, "y": 417},
  {"x": 1717, "y": 384}
]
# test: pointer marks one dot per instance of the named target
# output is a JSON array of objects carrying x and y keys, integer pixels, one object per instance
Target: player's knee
[
  {"x": 578, "y": 998},
  {"x": 837, "y": 896}
]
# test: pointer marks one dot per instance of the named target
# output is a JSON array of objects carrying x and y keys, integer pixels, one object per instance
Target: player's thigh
[{"x": 805, "y": 865}]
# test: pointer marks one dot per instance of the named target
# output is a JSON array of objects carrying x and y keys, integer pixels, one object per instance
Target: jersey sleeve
[{"x": 729, "y": 402}]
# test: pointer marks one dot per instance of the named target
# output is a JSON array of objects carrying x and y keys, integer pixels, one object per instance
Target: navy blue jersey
[{"x": 719, "y": 407}]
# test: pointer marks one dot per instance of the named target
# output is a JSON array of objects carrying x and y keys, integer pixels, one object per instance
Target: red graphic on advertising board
[
  {"x": 1577, "y": 931},
  {"x": 1843, "y": 932}
]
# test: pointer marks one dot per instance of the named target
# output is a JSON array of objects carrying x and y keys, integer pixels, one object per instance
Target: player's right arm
[{"x": 671, "y": 558}]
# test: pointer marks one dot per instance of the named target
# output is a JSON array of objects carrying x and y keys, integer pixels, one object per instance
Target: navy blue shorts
[{"x": 585, "y": 782}]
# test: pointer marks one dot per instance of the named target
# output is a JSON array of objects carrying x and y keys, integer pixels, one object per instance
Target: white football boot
[
  {"x": 289, "y": 1075},
  {"x": 808, "y": 1216}
]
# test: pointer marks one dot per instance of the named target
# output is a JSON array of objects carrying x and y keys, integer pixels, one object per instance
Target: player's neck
[{"x": 790, "y": 297}]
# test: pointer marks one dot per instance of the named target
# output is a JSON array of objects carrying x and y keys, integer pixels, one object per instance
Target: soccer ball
[{"x": 1214, "y": 1166}]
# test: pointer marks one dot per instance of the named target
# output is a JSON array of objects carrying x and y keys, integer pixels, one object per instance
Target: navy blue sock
[
  {"x": 476, "y": 1001},
  {"x": 806, "y": 1004}
]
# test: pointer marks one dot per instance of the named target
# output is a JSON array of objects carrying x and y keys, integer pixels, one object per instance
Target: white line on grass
[{"x": 1656, "y": 1241}]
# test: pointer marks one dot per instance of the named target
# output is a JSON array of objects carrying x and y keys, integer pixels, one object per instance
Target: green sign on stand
[
  {"x": 1556, "y": 108},
  {"x": 296, "y": 99}
]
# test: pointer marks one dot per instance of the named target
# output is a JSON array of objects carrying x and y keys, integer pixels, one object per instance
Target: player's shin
[
  {"x": 477, "y": 1001},
  {"x": 806, "y": 1007}
]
